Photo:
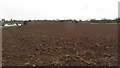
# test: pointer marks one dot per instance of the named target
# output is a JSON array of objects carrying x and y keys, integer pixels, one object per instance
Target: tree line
[{"x": 117, "y": 20}]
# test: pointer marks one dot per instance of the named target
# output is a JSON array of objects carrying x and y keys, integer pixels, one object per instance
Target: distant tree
[
  {"x": 117, "y": 20},
  {"x": 75, "y": 21},
  {"x": 11, "y": 20},
  {"x": 25, "y": 23},
  {"x": 93, "y": 20},
  {"x": 80, "y": 20},
  {"x": 30, "y": 20},
  {"x": 3, "y": 19}
]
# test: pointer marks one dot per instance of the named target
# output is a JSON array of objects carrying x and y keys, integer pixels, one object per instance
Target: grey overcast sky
[{"x": 58, "y": 9}]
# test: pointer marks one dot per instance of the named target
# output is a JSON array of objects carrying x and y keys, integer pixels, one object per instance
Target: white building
[{"x": 12, "y": 23}]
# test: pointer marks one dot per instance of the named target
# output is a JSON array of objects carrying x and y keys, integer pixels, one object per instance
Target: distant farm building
[{"x": 9, "y": 23}]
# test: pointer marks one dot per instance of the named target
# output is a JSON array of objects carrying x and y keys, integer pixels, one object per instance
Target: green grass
[{"x": 7, "y": 26}]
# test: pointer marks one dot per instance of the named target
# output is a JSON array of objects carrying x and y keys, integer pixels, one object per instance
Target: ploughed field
[{"x": 60, "y": 44}]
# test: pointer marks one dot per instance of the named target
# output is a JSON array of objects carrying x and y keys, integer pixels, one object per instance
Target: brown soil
[{"x": 60, "y": 45}]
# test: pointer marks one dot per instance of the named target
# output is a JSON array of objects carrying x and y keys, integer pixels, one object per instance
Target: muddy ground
[{"x": 60, "y": 45}]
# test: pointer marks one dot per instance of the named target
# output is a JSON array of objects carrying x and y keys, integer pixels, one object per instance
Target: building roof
[{"x": 11, "y": 22}]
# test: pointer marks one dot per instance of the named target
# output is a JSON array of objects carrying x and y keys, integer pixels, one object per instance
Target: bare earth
[{"x": 60, "y": 45}]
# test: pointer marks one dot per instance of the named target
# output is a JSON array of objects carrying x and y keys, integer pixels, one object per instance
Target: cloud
[{"x": 62, "y": 9}]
